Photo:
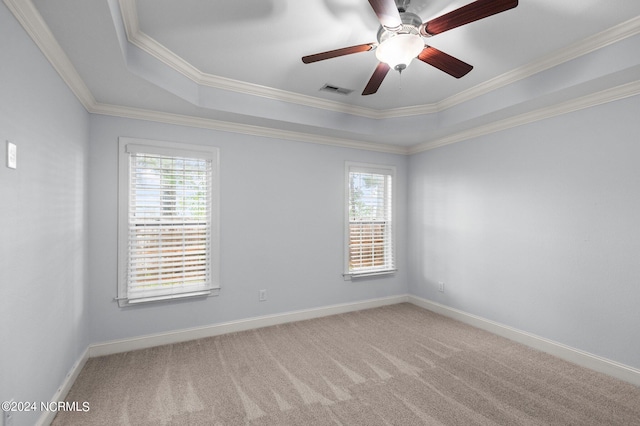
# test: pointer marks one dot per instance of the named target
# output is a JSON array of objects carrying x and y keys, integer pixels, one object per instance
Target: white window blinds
[
  {"x": 370, "y": 236},
  {"x": 169, "y": 224}
]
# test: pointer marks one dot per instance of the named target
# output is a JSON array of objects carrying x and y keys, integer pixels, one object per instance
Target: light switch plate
[{"x": 12, "y": 155}]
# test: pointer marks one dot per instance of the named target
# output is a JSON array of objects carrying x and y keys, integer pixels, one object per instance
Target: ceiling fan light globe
[{"x": 399, "y": 50}]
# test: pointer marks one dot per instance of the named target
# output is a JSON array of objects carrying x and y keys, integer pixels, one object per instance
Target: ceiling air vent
[{"x": 335, "y": 89}]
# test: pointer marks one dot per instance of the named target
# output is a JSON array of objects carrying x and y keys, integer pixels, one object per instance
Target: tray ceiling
[{"x": 239, "y": 62}]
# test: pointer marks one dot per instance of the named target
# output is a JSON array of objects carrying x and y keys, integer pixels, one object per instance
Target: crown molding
[
  {"x": 590, "y": 44},
  {"x": 169, "y": 58},
  {"x": 247, "y": 129},
  {"x": 31, "y": 20},
  {"x": 587, "y": 101},
  {"x": 136, "y": 37}
]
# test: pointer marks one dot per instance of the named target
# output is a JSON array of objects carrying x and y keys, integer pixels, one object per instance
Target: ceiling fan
[{"x": 400, "y": 38}]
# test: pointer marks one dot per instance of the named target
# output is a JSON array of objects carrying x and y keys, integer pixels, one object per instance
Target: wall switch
[
  {"x": 441, "y": 286},
  {"x": 262, "y": 295},
  {"x": 12, "y": 155}
]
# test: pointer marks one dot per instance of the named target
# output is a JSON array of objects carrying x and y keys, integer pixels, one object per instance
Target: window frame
[
  {"x": 390, "y": 265},
  {"x": 173, "y": 149}
]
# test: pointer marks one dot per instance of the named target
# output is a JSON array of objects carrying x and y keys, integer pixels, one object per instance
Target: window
[
  {"x": 369, "y": 233},
  {"x": 168, "y": 221}
]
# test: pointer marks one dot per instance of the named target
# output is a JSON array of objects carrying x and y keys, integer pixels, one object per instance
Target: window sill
[
  {"x": 125, "y": 302},
  {"x": 348, "y": 276}
]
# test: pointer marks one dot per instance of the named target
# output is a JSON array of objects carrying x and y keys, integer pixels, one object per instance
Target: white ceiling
[{"x": 239, "y": 61}]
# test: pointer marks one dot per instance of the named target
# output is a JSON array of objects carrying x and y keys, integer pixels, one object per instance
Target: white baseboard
[
  {"x": 576, "y": 356},
  {"x": 584, "y": 359},
  {"x": 47, "y": 416},
  {"x": 143, "y": 342}
]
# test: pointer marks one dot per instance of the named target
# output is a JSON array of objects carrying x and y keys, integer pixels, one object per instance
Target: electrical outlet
[
  {"x": 262, "y": 295},
  {"x": 441, "y": 286}
]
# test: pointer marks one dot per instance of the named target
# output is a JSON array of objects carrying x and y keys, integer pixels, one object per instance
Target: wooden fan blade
[
  {"x": 444, "y": 62},
  {"x": 376, "y": 79},
  {"x": 387, "y": 12},
  {"x": 466, "y": 14},
  {"x": 338, "y": 52}
]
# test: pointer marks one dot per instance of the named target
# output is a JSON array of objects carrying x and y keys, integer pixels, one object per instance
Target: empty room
[{"x": 349, "y": 212}]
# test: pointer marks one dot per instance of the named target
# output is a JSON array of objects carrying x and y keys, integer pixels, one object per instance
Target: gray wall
[
  {"x": 43, "y": 223},
  {"x": 535, "y": 227},
  {"x": 281, "y": 226},
  {"x": 538, "y": 228}
]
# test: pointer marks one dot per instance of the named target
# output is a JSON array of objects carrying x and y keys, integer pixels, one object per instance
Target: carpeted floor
[{"x": 396, "y": 365}]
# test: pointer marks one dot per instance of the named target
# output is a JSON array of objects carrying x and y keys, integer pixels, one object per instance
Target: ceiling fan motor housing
[{"x": 410, "y": 24}]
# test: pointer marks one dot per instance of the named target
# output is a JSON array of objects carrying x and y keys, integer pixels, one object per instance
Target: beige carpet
[{"x": 396, "y": 365}]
